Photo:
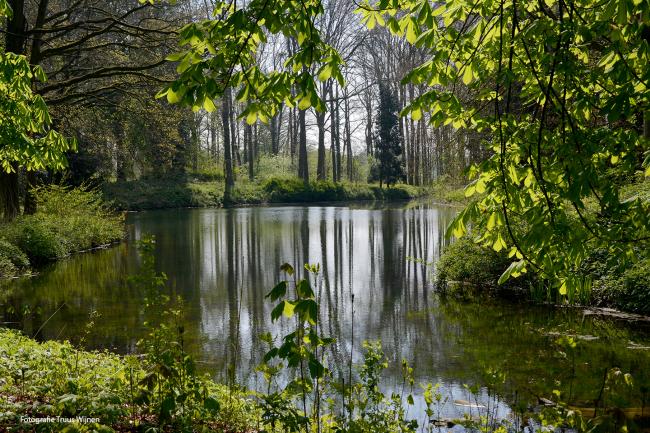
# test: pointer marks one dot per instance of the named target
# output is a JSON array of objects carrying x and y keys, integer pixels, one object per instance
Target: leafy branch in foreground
[
  {"x": 559, "y": 90},
  {"x": 222, "y": 53},
  {"x": 26, "y": 136}
]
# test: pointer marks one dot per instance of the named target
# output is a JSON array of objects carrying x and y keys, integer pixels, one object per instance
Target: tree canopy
[{"x": 561, "y": 88}]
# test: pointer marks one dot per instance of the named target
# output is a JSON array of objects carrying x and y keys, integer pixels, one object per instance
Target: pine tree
[{"x": 389, "y": 167}]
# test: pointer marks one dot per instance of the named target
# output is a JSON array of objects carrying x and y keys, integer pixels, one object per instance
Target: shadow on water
[{"x": 223, "y": 261}]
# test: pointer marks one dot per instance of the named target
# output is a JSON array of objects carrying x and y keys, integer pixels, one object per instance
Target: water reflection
[{"x": 223, "y": 261}]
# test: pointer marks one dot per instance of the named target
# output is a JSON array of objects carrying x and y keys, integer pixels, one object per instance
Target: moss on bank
[
  {"x": 67, "y": 221},
  {"x": 192, "y": 191}
]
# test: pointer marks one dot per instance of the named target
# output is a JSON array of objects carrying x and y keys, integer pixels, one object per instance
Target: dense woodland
[{"x": 104, "y": 63}]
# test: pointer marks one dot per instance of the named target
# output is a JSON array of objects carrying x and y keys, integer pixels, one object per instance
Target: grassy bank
[
  {"x": 201, "y": 191},
  {"x": 67, "y": 221},
  {"x": 467, "y": 269}
]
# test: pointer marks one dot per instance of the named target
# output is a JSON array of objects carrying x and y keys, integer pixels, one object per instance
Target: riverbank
[
  {"x": 467, "y": 268},
  {"x": 76, "y": 390},
  {"x": 67, "y": 221},
  {"x": 195, "y": 191}
]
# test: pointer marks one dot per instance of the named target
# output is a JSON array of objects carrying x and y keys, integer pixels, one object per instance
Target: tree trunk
[
  {"x": 194, "y": 142},
  {"x": 321, "y": 171},
  {"x": 303, "y": 169},
  {"x": 348, "y": 135},
  {"x": 9, "y": 194},
  {"x": 292, "y": 136},
  {"x": 248, "y": 137},
  {"x": 214, "y": 145},
  {"x": 337, "y": 123},
  {"x": 14, "y": 43},
  {"x": 29, "y": 208},
  {"x": 333, "y": 123},
  {"x": 227, "y": 147}
]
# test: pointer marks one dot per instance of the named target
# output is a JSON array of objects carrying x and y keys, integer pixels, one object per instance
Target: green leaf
[
  {"x": 278, "y": 291},
  {"x": 513, "y": 270},
  {"x": 325, "y": 73},
  {"x": 316, "y": 369},
  {"x": 276, "y": 313},
  {"x": 411, "y": 36},
  {"x": 307, "y": 310},
  {"x": 209, "y": 105},
  {"x": 499, "y": 244},
  {"x": 304, "y": 290},
  {"x": 563, "y": 288},
  {"x": 467, "y": 75},
  {"x": 304, "y": 103},
  {"x": 287, "y": 268},
  {"x": 622, "y": 12},
  {"x": 251, "y": 118},
  {"x": 212, "y": 405}
]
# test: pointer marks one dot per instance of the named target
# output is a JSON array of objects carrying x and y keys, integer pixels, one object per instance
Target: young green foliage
[
  {"x": 559, "y": 89},
  {"x": 222, "y": 52},
  {"x": 26, "y": 137}
]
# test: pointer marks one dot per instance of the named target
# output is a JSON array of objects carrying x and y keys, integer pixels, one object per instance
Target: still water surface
[{"x": 223, "y": 261}]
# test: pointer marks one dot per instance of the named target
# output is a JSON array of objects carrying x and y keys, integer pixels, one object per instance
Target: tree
[
  {"x": 226, "y": 109},
  {"x": 221, "y": 53},
  {"x": 566, "y": 84},
  {"x": 27, "y": 140},
  {"x": 388, "y": 151},
  {"x": 93, "y": 52}
]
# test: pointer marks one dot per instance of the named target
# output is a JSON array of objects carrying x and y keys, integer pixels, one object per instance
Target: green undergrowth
[
  {"x": 68, "y": 220},
  {"x": 468, "y": 268},
  {"x": 195, "y": 191},
  {"x": 58, "y": 379}
]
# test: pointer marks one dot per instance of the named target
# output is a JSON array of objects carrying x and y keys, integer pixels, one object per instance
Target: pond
[{"x": 223, "y": 261}]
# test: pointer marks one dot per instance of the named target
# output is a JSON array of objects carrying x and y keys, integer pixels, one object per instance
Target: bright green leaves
[
  {"x": 514, "y": 270},
  {"x": 5, "y": 9},
  {"x": 370, "y": 18},
  {"x": 223, "y": 52},
  {"x": 285, "y": 308},
  {"x": 278, "y": 291},
  {"x": 499, "y": 244},
  {"x": 304, "y": 290},
  {"x": 303, "y": 306},
  {"x": 26, "y": 137},
  {"x": 303, "y": 346},
  {"x": 558, "y": 99}
]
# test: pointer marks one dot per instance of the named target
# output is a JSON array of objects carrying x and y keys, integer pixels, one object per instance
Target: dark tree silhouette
[{"x": 389, "y": 165}]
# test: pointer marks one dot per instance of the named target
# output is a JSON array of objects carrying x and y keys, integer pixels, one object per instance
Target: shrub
[
  {"x": 7, "y": 268},
  {"x": 282, "y": 186},
  {"x": 292, "y": 189},
  {"x": 626, "y": 290},
  {"x": 39, "y": 240},
  {"x": 12, "y": 260},
  {"x": 67, "y": 220},
  {"x": 467, "y": 262}
]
